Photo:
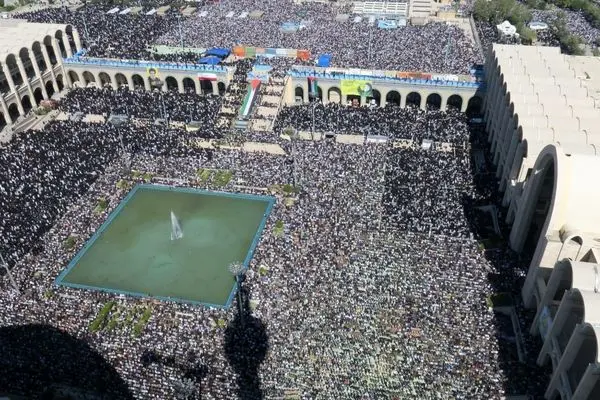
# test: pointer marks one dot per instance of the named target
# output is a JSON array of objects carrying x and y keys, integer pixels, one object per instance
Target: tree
[{"x": 528, "y": 36}]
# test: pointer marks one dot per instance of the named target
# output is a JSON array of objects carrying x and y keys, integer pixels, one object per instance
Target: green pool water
[{"x": 132, "y": 252}]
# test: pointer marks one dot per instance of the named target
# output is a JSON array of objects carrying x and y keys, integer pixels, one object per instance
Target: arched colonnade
[
  {"x": 421, "y": 98},
  {"x": 135, "y": 80}
]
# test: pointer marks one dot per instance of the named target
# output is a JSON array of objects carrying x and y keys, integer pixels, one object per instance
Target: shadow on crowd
[
  {"x": 43, "y": 362},
  {"x": 246, "y": 345},
  {"x": 517, "y": 351}
]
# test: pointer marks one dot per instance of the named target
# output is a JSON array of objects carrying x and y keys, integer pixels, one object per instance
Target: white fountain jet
[{"x": 176, "y": 232}]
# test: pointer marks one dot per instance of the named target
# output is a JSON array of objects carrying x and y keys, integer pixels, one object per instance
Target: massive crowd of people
[
  {"x": 359, "y": 45},
  {"x": 375, "y": 288},
  {"x": 183, "y": 107}
]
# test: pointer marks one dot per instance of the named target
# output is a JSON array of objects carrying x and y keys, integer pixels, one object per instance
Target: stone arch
[
  {"x": 354, "y": 100},
  {"x": 319, "y": 93},
  {"x": 104, "y": 79},
  {"x": 537, "y": 203},
  {"x": 334, "y": 95},
  {"x": 49, "y": 88},
  {"x": 26, "y": 103},
  {"x": 13, "y": 112},
  {"x": 454, "y": 101},
  {"x": 572, "y": 243},
  {"x": 474, "y": 106},
  {"x": 517, "y": 161},
  {"x": 88, "y": 78},
  {"x": 120, "y": 80},
  {"x": 58, "y": 35},
  {"x": 222, "y": 88},
  {"x": 13, "y": 69},
  {"x": 299, "y": 94},
  {"x": 27, "y": 62},
  {"x": 36, "y": 49},
  {"x": 60, "y": 82},
  {"x": 206, "y": 86},
  {"x": 393, "y": 98},
  {"x": 189, "y": 85},
  {"x": 73, "y": 77},
  {"x": 4, "y": 87},
  {"x": 375, "y": 95},
  {"x": 2, "y": 121},
  {"x": 172, "y": 83},
  {"x": 138, "y": 81},
  {"x": 433, "y": 101},
  {"x": 71, "y": 37},
  {"x": 413, "y": 99},
  {"x": 38, "y": 96},
  {"x": 50, "y": 50}
]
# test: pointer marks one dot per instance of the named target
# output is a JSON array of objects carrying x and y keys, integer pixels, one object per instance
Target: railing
[
  {"x": 423, "y": 82},
  {"x": 107, "y": 62}
]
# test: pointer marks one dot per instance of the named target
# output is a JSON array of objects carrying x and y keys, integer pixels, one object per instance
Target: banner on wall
[{"x": 352, "y": 87}]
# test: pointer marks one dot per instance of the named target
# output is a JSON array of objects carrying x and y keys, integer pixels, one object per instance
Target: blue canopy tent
[
  {"x": 324, "y": 60},
  {"x": 211, "y": 60},
  {"x": 220, "y": 52}
]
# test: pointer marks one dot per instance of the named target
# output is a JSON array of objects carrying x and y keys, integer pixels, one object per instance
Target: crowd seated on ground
[
  {"x": 358, "y": 45},
  {"x": 184, "y": 107},
  {"x": 379, "y": 237},
  {"x": 375, "y": 287},
  {"x": 394, "y": 122}
]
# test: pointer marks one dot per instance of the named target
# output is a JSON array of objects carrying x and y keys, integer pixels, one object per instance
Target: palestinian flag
[
  {"x": 207, "y": 76},
  {"x": 250, "y": 96}
]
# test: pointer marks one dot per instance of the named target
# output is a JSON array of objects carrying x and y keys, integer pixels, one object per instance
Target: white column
[
  {"x": 26, "y": 80},
  {"x": 36, "y": 68},
  {"x": 13, "y": 89},
  {"x": 5, "y": 110},
  {"x": 50, "y": 67}
]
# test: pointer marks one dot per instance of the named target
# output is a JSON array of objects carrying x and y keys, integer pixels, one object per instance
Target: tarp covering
[
  {"x": 324, "y": 60},
  {"x": 387, "y": 24},
  {"x": 218, "y": 52},
  {"x": 210, "y": 60},
  {"x": 290, "y": 27}
]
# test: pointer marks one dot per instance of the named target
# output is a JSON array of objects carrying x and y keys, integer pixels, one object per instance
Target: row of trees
[
  {"x": 590, "y": 9},
  {"x": 497, "y": 11},
  {"x": 519, "y": 15}
]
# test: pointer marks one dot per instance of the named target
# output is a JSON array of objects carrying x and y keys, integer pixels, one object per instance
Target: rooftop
[
  {"x": 555, "y": 96},
  {"x": 17, "y": 33}
]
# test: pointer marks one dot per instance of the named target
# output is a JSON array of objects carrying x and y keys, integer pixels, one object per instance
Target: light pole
[
  {"x": 237, "y": 270},
  {"x": 10, "y": 277}
]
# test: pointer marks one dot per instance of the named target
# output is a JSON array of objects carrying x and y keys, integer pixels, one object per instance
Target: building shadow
[
  {"x": 518, "y": 349},
  {"x": 43, "y": 362},
  {"x": 246, "y": 345}
]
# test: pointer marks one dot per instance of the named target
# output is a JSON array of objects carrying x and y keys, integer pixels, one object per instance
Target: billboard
[
  {"x": 354, "y": 87},
  {"x": 154, "y": 78}
]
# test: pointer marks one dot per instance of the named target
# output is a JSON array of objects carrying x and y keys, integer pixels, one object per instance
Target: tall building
[{"x": 542, "y": 111}]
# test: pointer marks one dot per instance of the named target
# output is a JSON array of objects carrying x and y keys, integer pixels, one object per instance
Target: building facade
[
  {"x": 541, "y": 111},
  {"x": 31, "y": 68},
  {"x": 420, "y": 92}
]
